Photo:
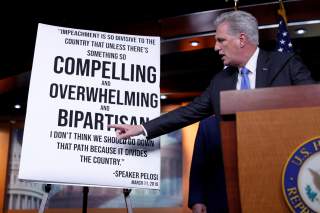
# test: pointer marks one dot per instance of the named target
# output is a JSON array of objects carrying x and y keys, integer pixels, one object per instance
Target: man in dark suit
[
  {"x": 237, "y": 42},
  {"x": 207, "y": 190}
]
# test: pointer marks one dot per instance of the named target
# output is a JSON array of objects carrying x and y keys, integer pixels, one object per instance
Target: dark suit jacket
[
  {"x": 207, "y": 183},
  {"x": 273, "y": 69}
]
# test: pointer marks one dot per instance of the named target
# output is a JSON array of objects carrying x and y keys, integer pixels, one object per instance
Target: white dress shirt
[{"x": 251, "y": 65}]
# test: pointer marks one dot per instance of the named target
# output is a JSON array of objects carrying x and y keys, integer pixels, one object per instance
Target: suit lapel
[
  {"x": 263, "y": 69},
  {"x": 269, "y": 65},
  {"x": 230, "y": 80}
]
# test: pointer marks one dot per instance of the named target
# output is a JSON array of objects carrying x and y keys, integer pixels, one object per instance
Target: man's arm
[
  {"x": 300, "y": 74},
  {"x": 198, "y": 109},
  {"x": 125, "y": 131}
]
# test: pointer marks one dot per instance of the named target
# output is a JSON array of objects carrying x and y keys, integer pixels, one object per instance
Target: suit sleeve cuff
[{"x": 145, "y": 133}]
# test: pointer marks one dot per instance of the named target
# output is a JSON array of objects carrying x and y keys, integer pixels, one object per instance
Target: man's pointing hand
[{"x": 125, "y": 131}]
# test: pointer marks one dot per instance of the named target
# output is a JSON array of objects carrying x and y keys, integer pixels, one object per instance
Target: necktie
[{"x": 245, "y": 83}]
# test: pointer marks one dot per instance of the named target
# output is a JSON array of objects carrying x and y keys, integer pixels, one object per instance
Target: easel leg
[
  {"x": 47, "y": 189},
  {"x": 85, "y": 199},
  {"x": 126, "y": 193}
]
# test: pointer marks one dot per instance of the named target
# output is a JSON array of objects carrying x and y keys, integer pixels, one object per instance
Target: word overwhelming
[{"x": 103, "y": 95}]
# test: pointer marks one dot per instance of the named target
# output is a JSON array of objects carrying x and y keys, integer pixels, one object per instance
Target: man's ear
[{"x": 242, "y": 39}]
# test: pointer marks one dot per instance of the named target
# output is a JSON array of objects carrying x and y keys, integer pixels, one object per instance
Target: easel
[
  {"x": 126, "y": 193},
  {"x": 47, "y": 189},
  {"x": 85, "y": 199}
]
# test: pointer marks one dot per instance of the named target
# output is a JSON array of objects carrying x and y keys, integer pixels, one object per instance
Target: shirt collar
[{"x": 252, "y": 63}]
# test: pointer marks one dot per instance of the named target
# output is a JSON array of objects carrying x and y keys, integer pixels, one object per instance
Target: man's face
[{"x": 228, "y": 46}]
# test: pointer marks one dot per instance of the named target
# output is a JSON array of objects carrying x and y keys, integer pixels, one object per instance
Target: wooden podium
[{"x": 260, "y": 129}]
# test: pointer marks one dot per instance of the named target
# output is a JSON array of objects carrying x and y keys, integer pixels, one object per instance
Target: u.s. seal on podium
[{"x": 301, "y": 178}]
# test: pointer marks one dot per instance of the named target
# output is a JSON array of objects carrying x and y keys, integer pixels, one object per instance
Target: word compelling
[{"x": 105, "y": 69}]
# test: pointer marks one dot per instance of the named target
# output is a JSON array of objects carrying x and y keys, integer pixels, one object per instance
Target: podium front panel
[{"x": 266, "y": 139}]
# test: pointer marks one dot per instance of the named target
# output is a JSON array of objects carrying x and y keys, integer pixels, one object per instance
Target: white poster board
[{"x": 81, "y": 81}]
